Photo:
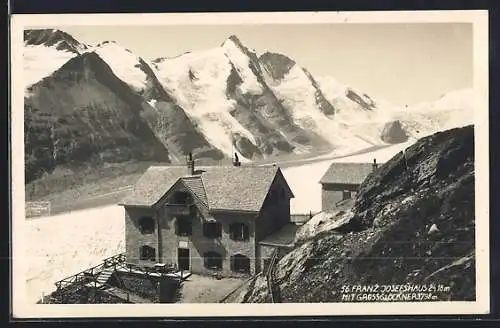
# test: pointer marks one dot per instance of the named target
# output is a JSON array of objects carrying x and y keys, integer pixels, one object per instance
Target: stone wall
[{"x": 135, "y": 239}]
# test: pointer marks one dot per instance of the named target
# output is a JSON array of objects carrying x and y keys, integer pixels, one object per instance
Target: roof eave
[
  {"x": 222, "y": 210},
  {"x": 136, "y": 205}
]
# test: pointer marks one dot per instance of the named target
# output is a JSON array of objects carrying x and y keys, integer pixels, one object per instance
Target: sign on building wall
[{"x": 36, "y": 209}]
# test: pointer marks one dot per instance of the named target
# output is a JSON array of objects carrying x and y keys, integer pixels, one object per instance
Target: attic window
[
  {"x": 212, "y": 229},
  {"x": 146, "y": 225},
  {"x": 239, "y": 231},
  {"x": 183, "y": 226},
  {"x": 213, "y": 261},
  {"x": 148, "y": 253},
  {"x": 182, "y": 198}
]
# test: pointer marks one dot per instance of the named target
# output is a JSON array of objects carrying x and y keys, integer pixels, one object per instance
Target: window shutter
[{"x": 245, "y": 232}]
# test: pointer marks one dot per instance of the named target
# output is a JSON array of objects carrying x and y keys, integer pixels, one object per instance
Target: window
[
  {"x": 146, "y": 225},
  {"x": 213, "y": 260},
  {"x": 238, "y": 231},
  {"x": 183, "y": 226},
  {"x": 240, "y": 263},
  {"x": 346, "y": 195},
  {"x": 148, "y": 253},
  {"x": 182, "y": 198},
  {"x": 212, "y": 229}
]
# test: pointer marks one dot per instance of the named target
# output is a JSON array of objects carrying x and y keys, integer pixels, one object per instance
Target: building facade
[
  {"x": 341, "y": 182},
  {"x": 205, "y": 221}
]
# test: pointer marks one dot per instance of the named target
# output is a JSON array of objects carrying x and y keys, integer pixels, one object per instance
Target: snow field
[
  {"x": 123, "y": 63},
  {"x": 63, "y": 245},
  {"x": 41, "y": 61}
]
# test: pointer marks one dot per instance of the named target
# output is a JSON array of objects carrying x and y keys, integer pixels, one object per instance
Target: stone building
[
  {"x": 206, "y": 220},
  {"x": 341, "y": 182}
]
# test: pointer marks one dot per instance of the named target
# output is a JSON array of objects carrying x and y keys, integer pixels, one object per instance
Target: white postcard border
[{"x": 479, "y": 19}]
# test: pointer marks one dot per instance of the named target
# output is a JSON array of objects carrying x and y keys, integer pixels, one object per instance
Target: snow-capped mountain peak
[
  {"x": 45, "y": 51},
  {"x": 53, "y": 38}
]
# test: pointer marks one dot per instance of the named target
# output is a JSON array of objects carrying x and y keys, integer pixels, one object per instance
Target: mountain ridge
[{"x": 223, "y": 100}]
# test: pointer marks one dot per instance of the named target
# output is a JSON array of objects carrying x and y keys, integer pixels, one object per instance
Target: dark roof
[
  {"x": 153, "y": 184},
  {"x": 283, "y": 237},
  {"x": 347, "y": 173},
  {"x": 242, "y": 188},
  {"x": 195, "y": 185}
]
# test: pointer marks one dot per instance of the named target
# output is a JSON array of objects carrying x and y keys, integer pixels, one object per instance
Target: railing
[
  {"x": 91, "y": 273},
  {"x": 273, "y": 289},
  {"x": 88, "y": 277},
  {"x": 148, "y": 270}
]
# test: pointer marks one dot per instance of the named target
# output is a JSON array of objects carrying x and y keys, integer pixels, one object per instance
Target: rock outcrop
[
  {"x": 394, "y": 133},
  {"x": 412, "y": 225}
]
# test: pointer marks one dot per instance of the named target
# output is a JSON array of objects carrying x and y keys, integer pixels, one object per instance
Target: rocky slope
[
  {"x": 412, "y": 224},
  {"x": 84, "y": 114}
]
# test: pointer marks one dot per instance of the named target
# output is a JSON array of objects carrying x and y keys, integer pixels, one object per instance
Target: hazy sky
[{"x": 401, "y": 63}]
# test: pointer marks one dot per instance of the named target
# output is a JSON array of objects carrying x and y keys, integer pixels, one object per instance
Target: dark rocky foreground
[{"x": 408, "y": 237}]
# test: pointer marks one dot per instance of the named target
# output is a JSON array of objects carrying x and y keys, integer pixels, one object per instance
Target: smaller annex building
[{"x": 341, "y": 182}]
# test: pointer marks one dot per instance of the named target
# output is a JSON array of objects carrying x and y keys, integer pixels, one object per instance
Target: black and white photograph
[{"x": 206, "y": 162}]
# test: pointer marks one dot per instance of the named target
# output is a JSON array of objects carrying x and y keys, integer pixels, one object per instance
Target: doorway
[{"x": 183, "y": 259}]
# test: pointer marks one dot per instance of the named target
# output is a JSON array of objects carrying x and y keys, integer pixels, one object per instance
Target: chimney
[
  {"x": 374, "y": 165},
  {"x": 190, "y": 164},
  {"x": 236, "y": 161}
]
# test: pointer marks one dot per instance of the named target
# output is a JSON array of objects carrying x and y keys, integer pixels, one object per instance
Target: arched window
[
  {"x": 146, "y": 225},
  {"x": 239, "y": 231},
  {"x": 213, "y": 260},
  {"x": 240, "y": 263},
  {"x": 148, "y": 253}
]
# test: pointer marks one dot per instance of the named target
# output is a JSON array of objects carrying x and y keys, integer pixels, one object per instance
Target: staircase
[{"x": 104, "y": 275}]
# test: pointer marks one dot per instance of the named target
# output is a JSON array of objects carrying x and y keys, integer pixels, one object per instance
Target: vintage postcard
[{"x": 212, "y": 164}]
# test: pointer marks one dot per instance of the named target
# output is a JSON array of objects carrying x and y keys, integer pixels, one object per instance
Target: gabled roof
[
  {"x": 153, "y": 184},
  {"x": 241, "y": 188},
  {"x": 229, "y": 188},
  {"x": 346, "y": 173},
  {"x": 195, "y": 185}
]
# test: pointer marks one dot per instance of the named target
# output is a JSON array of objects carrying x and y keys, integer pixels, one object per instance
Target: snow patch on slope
[
  {"x": 241, "y": 63},
  {"x": 452, "y": 110},
  {"x": 40, "y": 61},
  {"x": 299, "y": 96},
  {"x": 124, "y": 64},
  {"x": 63, "y": 245},
  {"x": 198, "y": 83}
]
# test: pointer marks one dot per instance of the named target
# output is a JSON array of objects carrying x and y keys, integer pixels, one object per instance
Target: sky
[{"x": 404, "y": 64}]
